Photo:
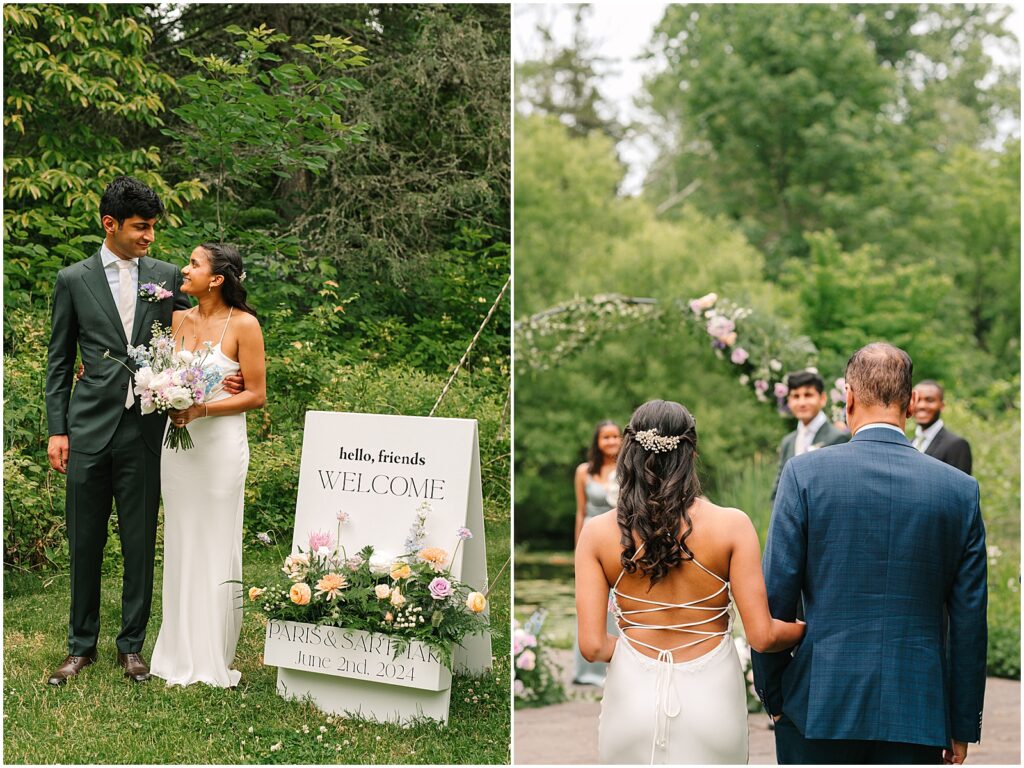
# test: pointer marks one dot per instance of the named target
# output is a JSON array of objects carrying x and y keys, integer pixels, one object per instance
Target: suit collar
[
  {"x": 881, "y": 436},
  {"x": 95, "y": 280}
]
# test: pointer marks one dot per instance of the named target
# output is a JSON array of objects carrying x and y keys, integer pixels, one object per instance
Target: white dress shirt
[
  {"x": 923, "y": 437},
  {"x": 113, "y": 274},
  {"x": 880, "y": 425},
  {"x": 805, "y": 433}
]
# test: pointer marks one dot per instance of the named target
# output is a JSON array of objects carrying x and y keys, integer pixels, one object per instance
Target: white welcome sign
[{"x": 379, "y": 469}]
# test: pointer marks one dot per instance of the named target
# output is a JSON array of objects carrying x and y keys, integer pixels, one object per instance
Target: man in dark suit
[
  {"x": 98, "y": 435},
  {"x": 806, "y": 399},
  {"x": 931, "y": 436},
  {"x": 882, "y": 542}
]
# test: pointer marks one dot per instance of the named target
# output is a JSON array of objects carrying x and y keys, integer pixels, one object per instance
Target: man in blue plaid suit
[{"x": 887, "y": 547}]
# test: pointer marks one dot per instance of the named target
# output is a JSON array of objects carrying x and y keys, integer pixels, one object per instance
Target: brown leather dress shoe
[
  {"x": 70, "y": 667},
  {"x": 134, "y": 666}
]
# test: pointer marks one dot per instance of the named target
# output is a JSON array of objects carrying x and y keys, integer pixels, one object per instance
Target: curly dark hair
[
  {"x": 595, "y": 459},
  {"x": 656, "y": 490}
]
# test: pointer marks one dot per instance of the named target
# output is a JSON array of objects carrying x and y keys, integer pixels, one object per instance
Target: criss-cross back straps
[{"x": 716, "y": 611}]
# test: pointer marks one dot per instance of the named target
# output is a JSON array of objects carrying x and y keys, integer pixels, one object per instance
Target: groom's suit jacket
[
  {"x": 882, "y": 541},
  {"x": 85, "y": 317},
  {"x": 826, "y": 435}
]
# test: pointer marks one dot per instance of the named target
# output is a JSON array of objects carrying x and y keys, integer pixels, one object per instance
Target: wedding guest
[
  {"x": 806, "y": 399},
  {"x": 931, "y": 436},
  {"x": 594, "y": 479}
]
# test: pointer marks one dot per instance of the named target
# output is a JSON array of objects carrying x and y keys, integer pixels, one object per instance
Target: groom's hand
[
  {"x": 57, "y": 453},
  {"x": 957, "y": 755},
  {"x": 233, "y": 384}
]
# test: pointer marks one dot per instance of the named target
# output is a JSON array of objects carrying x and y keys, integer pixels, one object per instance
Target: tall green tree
[{"x": 79, "y": 93}]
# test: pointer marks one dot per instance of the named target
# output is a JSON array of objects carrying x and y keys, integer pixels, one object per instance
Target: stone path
[{"x": 566, "y": 734}]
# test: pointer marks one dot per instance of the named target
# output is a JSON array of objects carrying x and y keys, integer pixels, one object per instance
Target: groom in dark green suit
[
  {"x": 806, "y": 399},
  {"x": 98, "y": 435}
]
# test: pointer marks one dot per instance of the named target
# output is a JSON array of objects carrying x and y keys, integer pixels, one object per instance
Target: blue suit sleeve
[
  {"x": 968, "y": 633},
  {"x": 785, "y": 558}
]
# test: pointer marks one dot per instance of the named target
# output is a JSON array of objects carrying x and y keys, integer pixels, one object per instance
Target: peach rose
[
  {"x": 254, "y": 593},
  {"x": 300, "y": 593},
  {"x": 476, "y": 602},
  {"x": 400, "y": 571},
  {"x": 382, "y": 591},
  {"x": 397, "y": 598}
]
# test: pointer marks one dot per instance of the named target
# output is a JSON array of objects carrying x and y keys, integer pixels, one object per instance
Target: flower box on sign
[{"x": 354, "y": 653}]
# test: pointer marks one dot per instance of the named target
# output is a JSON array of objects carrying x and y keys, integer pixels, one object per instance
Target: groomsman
[
  {"x": 806, "y": 399},
  {"x": 931, "y": 436}
]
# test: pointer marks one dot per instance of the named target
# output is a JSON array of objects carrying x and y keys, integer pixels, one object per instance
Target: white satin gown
[
  {"x": 659, "y": 711},
  {"x": 203, "y": 494}
]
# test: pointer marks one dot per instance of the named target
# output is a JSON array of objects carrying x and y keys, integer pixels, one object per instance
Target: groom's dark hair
[
  {"x": 881, "y": 374},
  {"x": 125, "y": 197},
  {"x": 805, "y": 379}
]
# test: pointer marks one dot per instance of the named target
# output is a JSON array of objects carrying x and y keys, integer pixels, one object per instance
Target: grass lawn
[{"x": 101, "y": 717}]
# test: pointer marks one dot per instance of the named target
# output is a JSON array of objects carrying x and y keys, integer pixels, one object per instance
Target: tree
[{"x": 79, "y": 89}]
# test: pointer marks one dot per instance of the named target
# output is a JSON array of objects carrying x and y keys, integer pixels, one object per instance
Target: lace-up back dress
[{"x": 662, "y": 703}]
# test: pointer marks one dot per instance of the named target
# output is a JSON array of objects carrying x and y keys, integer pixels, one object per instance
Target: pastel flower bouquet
[
  {"x": 535, "y": 683},
  {"x": 169, "y": 379},
  {"x": 412, "y": 597}
]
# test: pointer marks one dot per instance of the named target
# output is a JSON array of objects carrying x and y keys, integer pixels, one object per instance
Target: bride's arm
[
  {"x": 764, "y": 634},
  {"x": 592, "y": 594}
]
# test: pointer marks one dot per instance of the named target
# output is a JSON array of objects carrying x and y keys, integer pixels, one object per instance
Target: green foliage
[
  {"x": 116, "y": 722},
  {"x": 79, "y": 89},
  {"x": 250, "y": 114}
]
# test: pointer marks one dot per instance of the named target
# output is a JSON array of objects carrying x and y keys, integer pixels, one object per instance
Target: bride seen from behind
[
  {"x": 203, "y": 488},
  {"x": 675, "y": 691}
]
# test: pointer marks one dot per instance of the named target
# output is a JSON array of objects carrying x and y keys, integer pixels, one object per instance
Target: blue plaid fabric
[{"x": 887, "y": 547}]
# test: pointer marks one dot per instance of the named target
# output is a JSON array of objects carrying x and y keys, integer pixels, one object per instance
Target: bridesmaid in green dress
[{"x": 594, "y": 478}]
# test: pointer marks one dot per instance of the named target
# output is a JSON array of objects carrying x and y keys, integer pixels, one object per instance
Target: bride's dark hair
[
  {"x": 657, "y": 489},
  {"x": 226, "y": 261}
]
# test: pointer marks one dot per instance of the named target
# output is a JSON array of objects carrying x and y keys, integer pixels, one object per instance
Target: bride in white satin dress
[
  {"x": 675, "y": 691},
  {"x": 203, "y": 488}
]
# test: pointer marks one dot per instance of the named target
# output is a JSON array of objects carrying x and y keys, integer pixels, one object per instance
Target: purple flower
[
  {"x": 739, "y": 356},
  {"x": 761, "y": 386},
  {"x": 696, "y": 307},
  {"x": 464, "y": 533},
  {"x": 781, "y": 390},
  {"x": 263, "y": 538},
  {"x": 716, "y": 344},
  {"x": 440, "y": 588},
  {"x": 837, "y": 396}
]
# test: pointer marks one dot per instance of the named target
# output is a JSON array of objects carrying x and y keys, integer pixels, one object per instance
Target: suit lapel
[
  {"x": 147, "y": 274},
  {"x": 96, "y": 281},
  {"x": 936, "y": 443}
]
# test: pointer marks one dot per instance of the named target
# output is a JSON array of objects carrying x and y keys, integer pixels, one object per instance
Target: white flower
[
  {"x": 179, "y": 398},
  {"x": 184, "y": 356},
  {"x": 143, "y": 377},
  {"x": 380, "y": 563},
  {"x": 276, "y": 747},
  {"x": 147, "y": 406},
  {"x": 160, "y": 380},
  {"x": 775, "y": 365},
  {"x": 382, "y": 591}
]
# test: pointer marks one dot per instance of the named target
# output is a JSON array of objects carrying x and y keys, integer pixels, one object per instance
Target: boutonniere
[{"x": 153, "y": 293}]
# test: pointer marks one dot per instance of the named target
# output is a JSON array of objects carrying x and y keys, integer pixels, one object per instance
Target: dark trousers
[
  {"x": 127, "y": 473},
  {"x": 791, "y": 748}
]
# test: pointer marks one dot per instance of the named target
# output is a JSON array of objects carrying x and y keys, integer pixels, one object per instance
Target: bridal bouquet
[
  {"x": 409, "y": 597},
  {"x": 169, "y": 379}
]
